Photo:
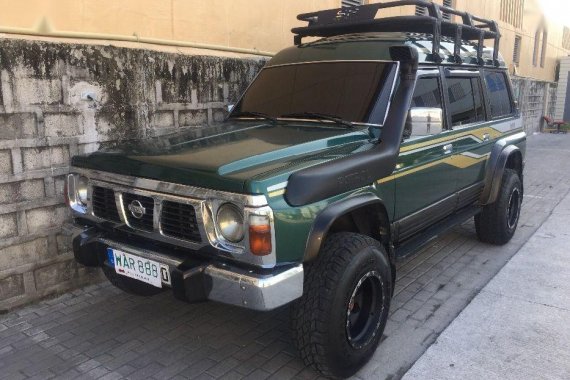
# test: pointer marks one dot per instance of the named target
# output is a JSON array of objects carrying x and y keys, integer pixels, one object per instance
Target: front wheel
[
  {"x": 339, "y": 320},
  {"x": 497, "y": 222}
]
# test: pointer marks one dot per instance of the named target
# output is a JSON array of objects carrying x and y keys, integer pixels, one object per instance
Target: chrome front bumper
[
  {"x": 216, "y": 281},
  {"x": 254, "y": 291}
]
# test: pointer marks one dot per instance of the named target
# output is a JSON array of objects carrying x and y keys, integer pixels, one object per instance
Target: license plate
[{"x": 139, "y": 268}]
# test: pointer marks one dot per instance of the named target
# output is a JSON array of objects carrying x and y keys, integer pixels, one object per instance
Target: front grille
[
  {"x": 104, "y": 206},
  {"x": 179, "y": 220},
  {"x": 145, "y": 220}
]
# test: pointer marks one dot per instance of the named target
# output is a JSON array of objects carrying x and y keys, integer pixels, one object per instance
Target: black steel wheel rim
[
  {"x": 513, "y": 209},
  {"x": 364, "y": 310}
]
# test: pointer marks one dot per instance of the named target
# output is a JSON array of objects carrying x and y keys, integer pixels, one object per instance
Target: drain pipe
[{"x": 45, "y": 31}]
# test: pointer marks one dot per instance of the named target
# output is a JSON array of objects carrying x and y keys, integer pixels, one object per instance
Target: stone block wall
[{"x": 46, "y": 117}]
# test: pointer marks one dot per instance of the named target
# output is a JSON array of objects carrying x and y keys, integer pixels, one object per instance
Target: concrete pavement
[
  {"x": 518, "y": 326},
  {"x": 100, "y": 332}
]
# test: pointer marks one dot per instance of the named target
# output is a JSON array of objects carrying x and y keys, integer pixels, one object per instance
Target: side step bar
[{"x": 414, "y": 244}]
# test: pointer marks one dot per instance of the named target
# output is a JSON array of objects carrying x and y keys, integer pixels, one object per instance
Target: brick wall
[{"x": 44, "y": 119}]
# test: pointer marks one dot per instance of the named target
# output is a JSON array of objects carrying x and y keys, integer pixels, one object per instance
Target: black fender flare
[
  {"x": 496, "y": 164},
  {"x": 329, "y": 215}
]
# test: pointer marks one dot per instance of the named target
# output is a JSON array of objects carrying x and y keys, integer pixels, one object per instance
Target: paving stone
[
  {"x": 71, "y": 374},
  {"x": 146, "y": 371},
  {"x": 126, "y": 370},
  {"x": 111, "y": 376},
  {"x": 223, "y": 367},
  {"x": 232, "y": 375},
  {"x": 284, "y": 373},
  {"x": 98, "y": 372},
  {"x": 88, "y": 365},
  {"x": 258, "y": 374},
  {"x": 198, "y": 368}
]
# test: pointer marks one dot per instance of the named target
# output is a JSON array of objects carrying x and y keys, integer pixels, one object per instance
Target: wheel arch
[
  {"x": 505, "y": 155},
  {"x": 515, "y": 162},
  {"x": 364, "y": 213}
]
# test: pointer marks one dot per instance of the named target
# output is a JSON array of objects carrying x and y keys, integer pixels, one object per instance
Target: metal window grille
[
  {"x": 517, "y": 51},
  {"x": 512, "y": 12},
  {"x": 421, "y": 11},
  {"x": 449, "y": 4},
  {"x": 540, "y": 45},
  {"x": 535, "y": 49},
  {"x": 350, "y": 3},
  {"x": 544, "y": 47}
]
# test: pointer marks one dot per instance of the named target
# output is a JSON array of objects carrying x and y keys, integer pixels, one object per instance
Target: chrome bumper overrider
[
  {"x": 216, "y": 281},
  {"x": 255, "y": 292}
]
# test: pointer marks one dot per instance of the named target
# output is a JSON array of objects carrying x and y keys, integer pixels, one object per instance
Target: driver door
[{"x": 425, "y": 180}]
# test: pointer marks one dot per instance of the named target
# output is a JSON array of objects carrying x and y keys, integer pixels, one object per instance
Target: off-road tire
[
  {"x": 130, "y": 285},
  {"x": 497, "y": 222},
  {"x": 320, "y": 318}
]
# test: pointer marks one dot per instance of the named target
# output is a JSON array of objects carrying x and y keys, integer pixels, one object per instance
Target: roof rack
[{"x": 362, "y": 18}]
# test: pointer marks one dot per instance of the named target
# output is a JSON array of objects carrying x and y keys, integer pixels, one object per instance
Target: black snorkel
[{"x": 360, "y": 169}]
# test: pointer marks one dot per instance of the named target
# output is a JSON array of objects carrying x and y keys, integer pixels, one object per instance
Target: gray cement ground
[{"x": 99, "y": 332}]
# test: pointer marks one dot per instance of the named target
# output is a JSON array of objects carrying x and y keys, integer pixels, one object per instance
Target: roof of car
[{"x": 375, "y": 46}]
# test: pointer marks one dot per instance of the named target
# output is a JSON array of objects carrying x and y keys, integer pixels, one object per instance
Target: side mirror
[
  {"x": 423, "y": 122},
  {"x": 231, "y": 107}
]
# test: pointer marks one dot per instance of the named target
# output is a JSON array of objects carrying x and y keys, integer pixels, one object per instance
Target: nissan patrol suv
[{"x": 348, "y": 152}]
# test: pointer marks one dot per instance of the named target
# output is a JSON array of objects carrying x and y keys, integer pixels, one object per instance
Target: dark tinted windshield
[{"x": 354, "y": 91}]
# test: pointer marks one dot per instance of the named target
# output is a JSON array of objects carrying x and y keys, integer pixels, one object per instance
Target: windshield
[{"x": 356, "y": 91}]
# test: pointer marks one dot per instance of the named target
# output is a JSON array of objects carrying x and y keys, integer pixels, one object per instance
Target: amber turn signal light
[{"x": 259, "y": 235}]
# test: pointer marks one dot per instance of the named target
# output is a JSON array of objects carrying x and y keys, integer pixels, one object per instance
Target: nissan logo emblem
[{"x": 137, "y": 209}]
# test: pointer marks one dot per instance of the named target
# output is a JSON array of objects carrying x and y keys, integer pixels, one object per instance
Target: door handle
[
  {"x": 486, "y": 137},
  {"x": 447, "y": 148}
]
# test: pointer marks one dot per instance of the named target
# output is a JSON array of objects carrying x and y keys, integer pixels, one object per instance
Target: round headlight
[
  {"x": 81, "y": 185},
  {"x": 230, "y": 222}
]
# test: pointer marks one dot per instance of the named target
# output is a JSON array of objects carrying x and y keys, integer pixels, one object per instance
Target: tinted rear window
[
  {"x": 465, "y": 104},
  {"x": 355, "y": 91},
  {"x": 427, "y": 93},
  {"x": 499, "y": 95}
]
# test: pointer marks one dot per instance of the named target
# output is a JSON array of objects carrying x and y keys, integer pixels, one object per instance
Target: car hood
[{"x": 238, "y": 156}]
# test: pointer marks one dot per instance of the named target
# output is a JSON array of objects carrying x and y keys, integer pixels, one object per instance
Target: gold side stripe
[
  {"x": 493, "y": 133},
  {"x": 460, "y": 161},
  {"x": 416, "y": 169},
  {"x": 463, "y": 162},
  {"x": 276, "y": 193}
]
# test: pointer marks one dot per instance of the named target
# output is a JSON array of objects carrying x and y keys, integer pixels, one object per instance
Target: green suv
[{"x": 345, "y": 154}]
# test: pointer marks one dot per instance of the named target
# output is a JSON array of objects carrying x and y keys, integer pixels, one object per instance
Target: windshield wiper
[
  {"x": 256, "y": 114},
  {"x": 323, "y": 116}
]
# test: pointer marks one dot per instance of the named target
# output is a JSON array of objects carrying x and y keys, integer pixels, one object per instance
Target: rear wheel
[
  {"x": 130, "y": 285},
  {"x": 497, "y": 222},
  {"x": 339, "y": 320}
]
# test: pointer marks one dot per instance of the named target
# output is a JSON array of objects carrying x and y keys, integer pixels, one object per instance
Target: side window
[
  {"x": 499, "y": 95},
  {"x": 465, "y": 101},
  {"x": 424, "y": 121},
  {"x": 427, "y": 93}
]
